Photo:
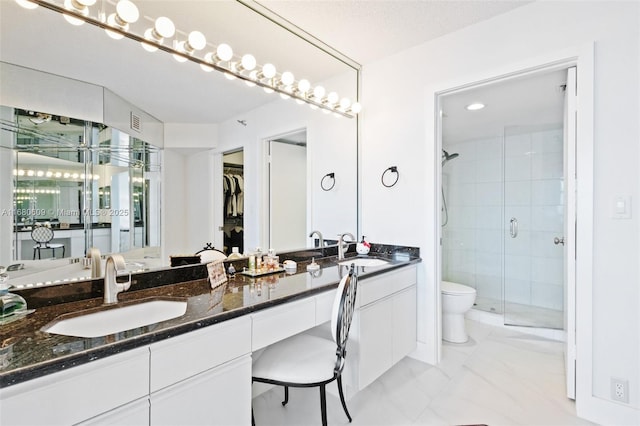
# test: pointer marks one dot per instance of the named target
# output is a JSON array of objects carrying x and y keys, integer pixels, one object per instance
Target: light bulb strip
[{"x": 141, "y": 39}]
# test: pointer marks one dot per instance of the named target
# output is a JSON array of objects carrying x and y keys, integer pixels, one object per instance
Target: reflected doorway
[
  {"x": 233, "y": 201},
  {"x": 287, "y": 171}
]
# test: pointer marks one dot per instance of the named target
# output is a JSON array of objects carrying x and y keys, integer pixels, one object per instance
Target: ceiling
[
  {"x": 364, "y": 30},
  {"x": 531, "y": 100}
]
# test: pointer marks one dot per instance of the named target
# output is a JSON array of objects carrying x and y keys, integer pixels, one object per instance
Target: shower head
[{"x": 448, "y": 157}]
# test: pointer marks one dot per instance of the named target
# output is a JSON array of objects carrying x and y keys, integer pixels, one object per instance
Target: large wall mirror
[{"x": 170, "y": 93}]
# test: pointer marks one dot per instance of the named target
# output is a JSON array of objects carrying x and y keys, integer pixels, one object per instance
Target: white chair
[
  {"x": 210, "y": 254},
  {"x": 307, "y": 361},
  {"x": 42, "y": 236}
]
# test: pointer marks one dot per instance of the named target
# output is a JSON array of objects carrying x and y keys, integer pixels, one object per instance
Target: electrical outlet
[{"x": 620, "y": 390}]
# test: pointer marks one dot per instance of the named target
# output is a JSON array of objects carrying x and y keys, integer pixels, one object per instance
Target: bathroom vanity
[{"x": 197, "y": 368}]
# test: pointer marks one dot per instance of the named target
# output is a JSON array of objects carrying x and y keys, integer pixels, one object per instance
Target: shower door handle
[{"x": 513, "y": 227}]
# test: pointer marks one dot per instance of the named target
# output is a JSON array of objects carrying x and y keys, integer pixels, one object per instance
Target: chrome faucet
[
  {"x": 344, "y": 245},
  {"x": 115, "y": 263},
  {"x": 96, "y": 267},
  {"x": 319, "y": 234}
]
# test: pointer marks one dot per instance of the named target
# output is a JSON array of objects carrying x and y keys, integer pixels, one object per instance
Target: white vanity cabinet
[
  {"x": 80, "y": 393},
  {"x": 203, "y": 377},
  {"x": 384, "y": 326}
]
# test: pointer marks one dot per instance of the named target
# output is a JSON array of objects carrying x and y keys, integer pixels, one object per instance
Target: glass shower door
[{"x": 533, "y": 226}]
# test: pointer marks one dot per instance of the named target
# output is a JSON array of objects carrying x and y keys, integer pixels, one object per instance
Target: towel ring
[
  {"x": 392, "y": 169},
  {"x": 331, "y": 176}
]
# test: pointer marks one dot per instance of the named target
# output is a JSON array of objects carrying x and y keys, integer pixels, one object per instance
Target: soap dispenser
[
  {"x": 12, "y": 306},
  {"x": 363, "y": 246}
]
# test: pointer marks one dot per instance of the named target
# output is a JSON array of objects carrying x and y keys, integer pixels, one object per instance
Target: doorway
[
  {"x": 508, "y": 216},
  {"x": 287, "y": 191},
  {"x": 233, "y": 201}
]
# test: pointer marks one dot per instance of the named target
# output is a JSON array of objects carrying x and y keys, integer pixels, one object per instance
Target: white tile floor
[{"x": 500, "y": 377}]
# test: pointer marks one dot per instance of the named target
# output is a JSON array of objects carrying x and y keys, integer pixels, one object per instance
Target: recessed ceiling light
[{"x": 475, "y": 106}]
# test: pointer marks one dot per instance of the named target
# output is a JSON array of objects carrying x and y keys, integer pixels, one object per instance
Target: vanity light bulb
[
  {"x": 304, "y": 86},
  {"x": 196, "y": 41},
  {"x": 127, "y": 11},
  {"x": 356, "y": 108},
  {"x": 58, "y": 174},
  {"x": 66, "y": 175},
  {"x": 27, "y": 4},
  {"x": 164, "y": 28},
  {"x": 267, "y": 89},
  {"x": 268, "y": 71},
  {"x": 248, "y": 62},
  {"x": 96, "y": 177},
  {"x": 49, "y": 174},
  {"x": 39, "y": 173},
  {"x": 284, "y": 96},
  {"x": 345, "y": 103},
  {"x": 318, "y": 92},
  {"x": 224, "y": 52},
  {"x": 299, "y": 102},
  {"x": 75, "y": 176},
  {"x": 287, "y": 78},
  {"x": 30, "y": 173}
]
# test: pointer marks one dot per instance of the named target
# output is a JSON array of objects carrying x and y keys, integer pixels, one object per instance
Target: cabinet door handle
[{"x": 513, "y": 227}]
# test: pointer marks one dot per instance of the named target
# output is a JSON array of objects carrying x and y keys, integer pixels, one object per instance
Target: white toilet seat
[{"x": 455, "y": 289}]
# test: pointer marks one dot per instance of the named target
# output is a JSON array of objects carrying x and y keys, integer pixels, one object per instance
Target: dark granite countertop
[{"x": 36, "y": 353}]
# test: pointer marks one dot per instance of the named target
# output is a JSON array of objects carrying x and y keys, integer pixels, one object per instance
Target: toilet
[{"x": 457, "y": 299}]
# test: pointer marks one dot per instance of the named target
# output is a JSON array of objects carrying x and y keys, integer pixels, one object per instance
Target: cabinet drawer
[
  {"x": 278, "y": 323},
  {"x": 79, "y": 393},
  {"x": 135, "y": 413},
  {"x": 184, "y": 356},
  {"x": 220, "y": 396},
  {"x": 381, "y": 286},
  {"x": 324, "y": 306}
]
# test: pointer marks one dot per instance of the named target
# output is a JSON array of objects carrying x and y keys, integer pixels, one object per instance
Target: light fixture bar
[{"x": 141, "y": 39}]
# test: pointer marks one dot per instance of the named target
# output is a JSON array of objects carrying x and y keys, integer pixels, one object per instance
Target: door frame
[{"x": 583, "y": 58}]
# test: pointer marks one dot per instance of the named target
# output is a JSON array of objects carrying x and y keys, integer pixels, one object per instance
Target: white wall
[{"x": 398, "y": 118}]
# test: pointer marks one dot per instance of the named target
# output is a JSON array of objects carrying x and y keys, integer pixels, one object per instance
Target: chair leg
[
  {"x": 323, "y": 404},
  {"x": 286, "y": 396},
  {"x": 344, "y": 404},
  {"x": 253, "y": 420},
  {"x": 63, "y": 250},
  {"x": 34, "y": 254}
]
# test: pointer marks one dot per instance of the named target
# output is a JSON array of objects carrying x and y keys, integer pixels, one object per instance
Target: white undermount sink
[
  {"x": 367, "y": 261},
  {"x": 120, "y": 318}
]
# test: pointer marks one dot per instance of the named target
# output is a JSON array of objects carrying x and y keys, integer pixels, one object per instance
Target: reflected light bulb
[
  {"x": 287, "y": 78},
  {"x": 356, "y": 108},
  {"x": 27, "y": 4},
  {"x": 304, "y": 86},
  {"x": 318, "y": 92},
  {"x": 332, "y": 98},
  {"x": 252, "y": 75},
  {"x": 268, "y": 70}
]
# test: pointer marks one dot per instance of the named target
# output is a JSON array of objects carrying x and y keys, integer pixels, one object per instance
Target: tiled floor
[{"x": 500, "y": 377}]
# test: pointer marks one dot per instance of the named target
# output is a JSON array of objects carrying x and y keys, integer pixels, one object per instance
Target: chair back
[
  {"x": 42, "y": 235},
  {"x": 343, "y": 306}
]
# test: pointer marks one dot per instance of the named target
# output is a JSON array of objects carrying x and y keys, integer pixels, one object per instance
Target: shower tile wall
[{"x": 525, "y": 180}]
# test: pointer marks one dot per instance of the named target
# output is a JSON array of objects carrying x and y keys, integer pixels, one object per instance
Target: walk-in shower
[{"x": 503, "y": 202}]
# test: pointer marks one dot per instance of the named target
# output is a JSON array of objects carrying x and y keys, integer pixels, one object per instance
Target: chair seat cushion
[{"x": 302, "y": 359}]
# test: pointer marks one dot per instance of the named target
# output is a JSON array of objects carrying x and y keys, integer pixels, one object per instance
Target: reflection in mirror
[
  {"x": 88, "y": 183},
  {"x": 195, "y": 111}
]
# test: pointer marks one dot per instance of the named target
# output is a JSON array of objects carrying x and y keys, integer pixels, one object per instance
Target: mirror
[{"x": 184, "y": 97}]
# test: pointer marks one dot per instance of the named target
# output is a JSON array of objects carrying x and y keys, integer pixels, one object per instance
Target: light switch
[{"x": 621, "y": 207}]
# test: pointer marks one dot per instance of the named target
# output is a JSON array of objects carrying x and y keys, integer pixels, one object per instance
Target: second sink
[
  {"x": 97, "y": 323},
  {"x": 368, "y": 261}
]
